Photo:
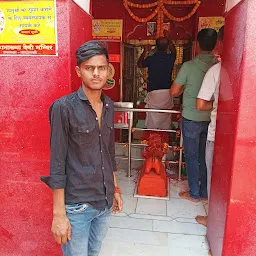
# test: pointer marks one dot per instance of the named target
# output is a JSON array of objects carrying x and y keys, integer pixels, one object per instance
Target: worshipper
[
  {"x": 194, "y": 122},
  {"x": 207, "y": 99},
  {"x": 160, "y": 66}
]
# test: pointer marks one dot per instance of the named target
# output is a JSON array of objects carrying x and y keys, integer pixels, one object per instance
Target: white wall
[
  {"x": 231, "y": 3},
  {"x": 84, "y": 4}
]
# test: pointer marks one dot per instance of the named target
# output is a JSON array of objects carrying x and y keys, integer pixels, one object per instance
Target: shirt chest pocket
[{"x": 88, "y": 134}]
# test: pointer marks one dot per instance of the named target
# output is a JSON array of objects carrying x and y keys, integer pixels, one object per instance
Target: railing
[{"x": 126, "y": 107}]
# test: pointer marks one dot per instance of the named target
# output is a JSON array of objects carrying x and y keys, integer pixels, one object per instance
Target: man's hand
[
  {"x": 61, "y": 229},
  {"x": 117, "y": 203},
  {"x": 147, "y": 48},
  {"x": 176, "y": 89}
]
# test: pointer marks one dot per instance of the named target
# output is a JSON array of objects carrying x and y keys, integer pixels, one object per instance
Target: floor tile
[
  {"x": 131, "y": 223},
  {"x": 111, "y": 248},
  {"x": 137, "y": 236},
  {"x": 149, "y": 227},
  {"x": 127, "y": 187},
  {"x": 186, "y": 220},
  {"x": 121, "y": 174},
  {"x": 184, "y": 208},
  {"x": 151, "y": 207},
  {"x": 187, "y": 245},
  {"x": 176, "y": 227},
  {"x": 121, "y": 214},
  {"x": 187, "y": 252},
  {"x": 150, "y": 217},
  {"x": 176, "y": 187},
  {"x": 206, "y": 207},
  {"x": 129, "y": 203}
]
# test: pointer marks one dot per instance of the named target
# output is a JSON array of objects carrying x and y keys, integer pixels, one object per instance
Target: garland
[
  {"x": 161, "y": 11},
  {"x": 157, "y": 144},
  {"x": 180, "y": 2},
  {"x": 141, "y": 6},
  {"x": 169, "y": 16},
  {"x": 150, "y": 17}
]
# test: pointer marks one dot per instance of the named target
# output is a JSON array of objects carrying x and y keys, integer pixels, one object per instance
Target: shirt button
[
  {"x": 106, "y": 105},
  {"x": 96, "y": 118},
  {"x": 105, "y": 183},
  {"x": 106, "y": 198},
  {"x": 101, "y": 151},
  {"x": 87, "y": 131},
  {"x": 100, "y": 135},
  {"x": 103, "y": 168}
]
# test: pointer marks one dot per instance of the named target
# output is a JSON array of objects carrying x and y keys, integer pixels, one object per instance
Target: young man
[
  {"x": 160, "y": 65},
  {"x": 207, "y": 99},
  {"x": 195, "y": 123},
  {"x": 82, "y": 161}
]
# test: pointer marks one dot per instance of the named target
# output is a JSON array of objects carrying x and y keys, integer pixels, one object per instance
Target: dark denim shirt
[{"x": 82, "y": 154}]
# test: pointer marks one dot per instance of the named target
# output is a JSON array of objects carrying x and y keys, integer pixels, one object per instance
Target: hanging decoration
[{"x": 161, "y": 12}]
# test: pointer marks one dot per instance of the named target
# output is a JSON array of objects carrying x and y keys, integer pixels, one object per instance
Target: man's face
[{"x": 94, "y": 72}]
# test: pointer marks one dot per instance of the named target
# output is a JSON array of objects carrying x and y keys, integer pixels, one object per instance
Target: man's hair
[
  {"x": 91, "y": 49},
  {"x": 221, "y": 34},
  {"x": 162, "y": 44},
  {"x": 207, "y": 39}
]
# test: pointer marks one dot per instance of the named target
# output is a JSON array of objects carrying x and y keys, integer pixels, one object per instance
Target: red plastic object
[{"x": 153, "y": 182}]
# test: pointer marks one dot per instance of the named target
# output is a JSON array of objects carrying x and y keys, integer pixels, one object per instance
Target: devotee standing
[
  {"x": 160, "y": 66},
  {"x": 194, "y": 122}
]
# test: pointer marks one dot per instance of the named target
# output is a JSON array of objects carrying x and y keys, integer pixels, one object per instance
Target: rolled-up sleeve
[
  {"x": 58, "y": 116},
  {"x": 181, "y": 78}
]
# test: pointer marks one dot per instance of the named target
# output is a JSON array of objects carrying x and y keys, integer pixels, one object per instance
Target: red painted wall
[
  {"x": 232, "y": 221},
  {"x": 109, "y": 9},
  {"x": 210, "y": 8},
  {"x": 80, "y": 32},
  {"x": 28, "y": 85}
]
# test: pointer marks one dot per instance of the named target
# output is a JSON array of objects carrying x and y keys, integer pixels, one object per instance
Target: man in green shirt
[{"x": 195, "y": 123}]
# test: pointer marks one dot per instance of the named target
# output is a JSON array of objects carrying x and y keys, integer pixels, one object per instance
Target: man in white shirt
[{"x": 207, "y": 99}]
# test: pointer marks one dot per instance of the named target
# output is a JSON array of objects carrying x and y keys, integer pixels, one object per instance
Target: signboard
[
  {"x": 114, "y": 58},
  {"x": 230, "y": 4},
  {"x": 211, "y": 22},
  {"x": 108, "y": 30},
  {"x": 28, "y": 28}
]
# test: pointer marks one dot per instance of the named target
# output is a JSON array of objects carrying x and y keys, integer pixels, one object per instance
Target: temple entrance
[{"x": 152, "y": 186}]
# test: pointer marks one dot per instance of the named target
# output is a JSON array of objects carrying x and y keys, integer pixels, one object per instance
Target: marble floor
[{"x": 150, "y": 227}]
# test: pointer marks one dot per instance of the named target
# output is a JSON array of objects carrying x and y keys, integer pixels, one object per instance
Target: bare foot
[
  {"x": 202, "y": 220},
  {"x": 204, "y": 199},
  {"x": 186, "y": 195}
]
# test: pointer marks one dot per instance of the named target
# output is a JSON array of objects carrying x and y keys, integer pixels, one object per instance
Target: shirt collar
[{"x": 82, "y": 96}]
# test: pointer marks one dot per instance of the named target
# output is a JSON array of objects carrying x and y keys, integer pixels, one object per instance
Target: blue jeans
[
  {"x": 194, "y": 139},
  {"x": 89, "y": 228},
  {"x": 208, "y": 159}
]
